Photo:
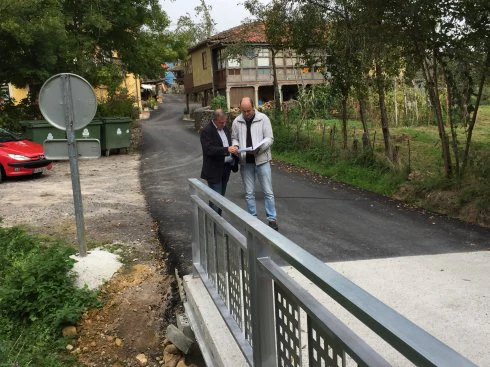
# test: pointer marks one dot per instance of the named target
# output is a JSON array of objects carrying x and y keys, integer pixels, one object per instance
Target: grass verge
[{"x": 417, "y": 178}]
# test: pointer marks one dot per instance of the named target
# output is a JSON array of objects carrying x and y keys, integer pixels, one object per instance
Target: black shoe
[{"x": 273, "y": 225}]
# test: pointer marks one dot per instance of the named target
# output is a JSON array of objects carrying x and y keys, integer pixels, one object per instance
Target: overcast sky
[{"x": 226, "y": 13}]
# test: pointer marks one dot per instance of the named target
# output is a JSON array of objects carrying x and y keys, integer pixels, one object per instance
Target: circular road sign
[{"x": 52, "y": 100}]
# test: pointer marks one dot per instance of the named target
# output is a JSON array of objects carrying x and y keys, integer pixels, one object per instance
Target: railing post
[
  {"x": 196, "y": 242},
  {"x": 262, "y": 306}
]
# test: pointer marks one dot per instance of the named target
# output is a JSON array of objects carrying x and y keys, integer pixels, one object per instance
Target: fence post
[
  {"x": 196, "y": 243},
  {"x": 262, "y": 306}
]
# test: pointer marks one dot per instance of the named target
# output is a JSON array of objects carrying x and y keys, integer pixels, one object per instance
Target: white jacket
[{"x": 261, "y": 129}]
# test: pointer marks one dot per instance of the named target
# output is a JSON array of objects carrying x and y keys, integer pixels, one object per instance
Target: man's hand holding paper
[{"x": 253, "y": 150}]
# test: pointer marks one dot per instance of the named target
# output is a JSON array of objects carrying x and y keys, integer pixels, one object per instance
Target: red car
[{"x": 20, "y": 157}]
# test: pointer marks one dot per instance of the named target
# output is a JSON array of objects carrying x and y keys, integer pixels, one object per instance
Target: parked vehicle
[{"x": 19, "y": 157}]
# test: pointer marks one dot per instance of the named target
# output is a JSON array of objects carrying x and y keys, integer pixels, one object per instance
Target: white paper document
[{"x": 251, "y": 149}]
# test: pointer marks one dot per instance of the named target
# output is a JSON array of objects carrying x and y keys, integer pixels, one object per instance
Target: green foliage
[
  {"x": 11, "y": 114},
  {"x": 191, "y": 31},
  {"x": 37, "y": 298},
  {"x": 429, "y": 59},
  {"x": 119, "y": 105},
  {"x": 373, "y": 177},
  {"x": 82, "y": 37},
  {"x": 219, "y": 102},
  {"x": 315, "y": 144}
]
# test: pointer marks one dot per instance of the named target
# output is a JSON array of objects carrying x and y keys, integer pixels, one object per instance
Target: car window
[{"x": 6, "y": 136}]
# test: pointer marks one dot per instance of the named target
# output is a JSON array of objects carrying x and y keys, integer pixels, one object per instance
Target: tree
[
  {"x": 193, "y": 32},
  {"x": 39, "y": 38},
  {"x": 450, "y": 42},
  {"x": 33, "y": 41},
  {"x": 274, "y": 18},
  {"x": 338, "y": 30}
]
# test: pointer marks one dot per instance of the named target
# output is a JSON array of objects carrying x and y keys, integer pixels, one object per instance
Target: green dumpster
[
  {"x": 91, "y": 131},
  {"x": 116, "y": 133},
  {"x": 40, "y": 130}
]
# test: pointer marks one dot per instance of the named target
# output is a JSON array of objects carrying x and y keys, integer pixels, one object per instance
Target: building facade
[{"x": 211, "y": 70}]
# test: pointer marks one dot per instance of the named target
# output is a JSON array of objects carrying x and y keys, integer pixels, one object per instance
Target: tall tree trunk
[
  {"x": 449, "y": 106},
  {"x": 464, "y": 99},
  {"x": 395, "y": 102},
  {"x": 277, "y": 97},
  {"x": 382, "y": 108},
  {"x": 405, "y": 109},
  {"x": 416, "y": 105},
  {"x": 362, "y": 112},
  {"x": 431, "y": 76},
  {"x": 344, "y": 122},
  {"x": 471, "y": 125}
]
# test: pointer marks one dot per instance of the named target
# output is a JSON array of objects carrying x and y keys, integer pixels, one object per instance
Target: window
[
  {"x": 279, "y": 59},
  {"x": 233, "y": 71},
  {"x": 219, "y": 60},
  {"x": 248, "y": 63},
  {"x": 290, "y": 58},
  {"x": 249, "y": 53},
  {"x": 233, "y": 63},
  {"x": 263, "y": 57},
  {"x": 204, "y": 61}
]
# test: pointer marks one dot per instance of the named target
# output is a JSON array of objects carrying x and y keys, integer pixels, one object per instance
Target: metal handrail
[{"x": 263, "y": 246}]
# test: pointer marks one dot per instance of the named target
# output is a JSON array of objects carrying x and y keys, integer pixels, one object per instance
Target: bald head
[{"x": 247, "y": 107}]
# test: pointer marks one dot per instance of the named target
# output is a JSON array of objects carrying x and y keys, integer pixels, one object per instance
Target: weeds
[
  {"x": 37, "y": 298},
  {"x": 317, "y": 146}
]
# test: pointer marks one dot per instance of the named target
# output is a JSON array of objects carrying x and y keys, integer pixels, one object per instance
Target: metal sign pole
[{"x": 72, "y": 153}]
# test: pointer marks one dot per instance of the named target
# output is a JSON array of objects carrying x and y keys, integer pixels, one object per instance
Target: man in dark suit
[{"x": 218, "y": 155}]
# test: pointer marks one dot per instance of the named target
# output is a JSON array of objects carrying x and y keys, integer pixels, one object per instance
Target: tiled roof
[{"x": 248, "y": 33}]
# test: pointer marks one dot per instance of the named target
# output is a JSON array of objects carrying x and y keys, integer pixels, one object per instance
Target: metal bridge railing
[{"x": 268, "y": 312}]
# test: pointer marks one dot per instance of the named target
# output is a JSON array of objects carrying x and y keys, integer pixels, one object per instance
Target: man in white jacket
[{"x": 253, "y": 129}]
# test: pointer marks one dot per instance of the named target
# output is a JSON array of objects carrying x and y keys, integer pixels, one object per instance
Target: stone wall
[{"x": 202, "y": 116}]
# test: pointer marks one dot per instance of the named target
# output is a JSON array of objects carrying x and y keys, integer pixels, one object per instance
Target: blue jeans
[
  {"x": 220, "y": 186},
  {"x": 263, "y": 173}
]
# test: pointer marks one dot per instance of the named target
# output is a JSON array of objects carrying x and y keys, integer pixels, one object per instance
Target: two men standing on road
[
  {"x": 218, "y": 154},
  {"x": 250, "y": 129}
]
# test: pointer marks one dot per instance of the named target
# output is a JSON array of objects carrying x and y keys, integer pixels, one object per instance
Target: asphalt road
[{"x": 331, "y": 221}]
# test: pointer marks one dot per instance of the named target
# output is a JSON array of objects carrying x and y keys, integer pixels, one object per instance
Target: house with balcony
[{"x": 211, "y": 70}]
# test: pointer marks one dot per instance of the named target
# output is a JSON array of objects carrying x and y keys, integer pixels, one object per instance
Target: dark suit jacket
[{"x": 213, "y": 152}]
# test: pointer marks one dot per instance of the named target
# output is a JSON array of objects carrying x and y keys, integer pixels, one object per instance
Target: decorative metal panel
[
  {"x": 234, "y": 281},
  {"x": 202, "y": 237},
  {"x": 325, "y": 350},
  {"x": 221, "y": 250},
  {"x": 211, "y": 249},
  {"x": 288, "y": 332},
  {"x": 246, "y": 295}
]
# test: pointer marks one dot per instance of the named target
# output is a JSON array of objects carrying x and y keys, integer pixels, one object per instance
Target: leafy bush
[
  {"x": 219, "y": 102},
  {"x": 118, "y": 105},
  {"x": 37, "y": 298},
  {"x": 11, "y": 114},
  {"x": 152, "y": 102}
]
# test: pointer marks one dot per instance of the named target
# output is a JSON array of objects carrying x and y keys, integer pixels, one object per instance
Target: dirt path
[{"x": 137, "y": 299}]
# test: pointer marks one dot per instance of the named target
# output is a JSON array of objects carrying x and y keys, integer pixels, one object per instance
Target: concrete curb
[{"x": 217, "y": 344}]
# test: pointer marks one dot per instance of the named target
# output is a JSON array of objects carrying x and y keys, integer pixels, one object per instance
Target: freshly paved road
[{"x": 331, "y": 221}]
